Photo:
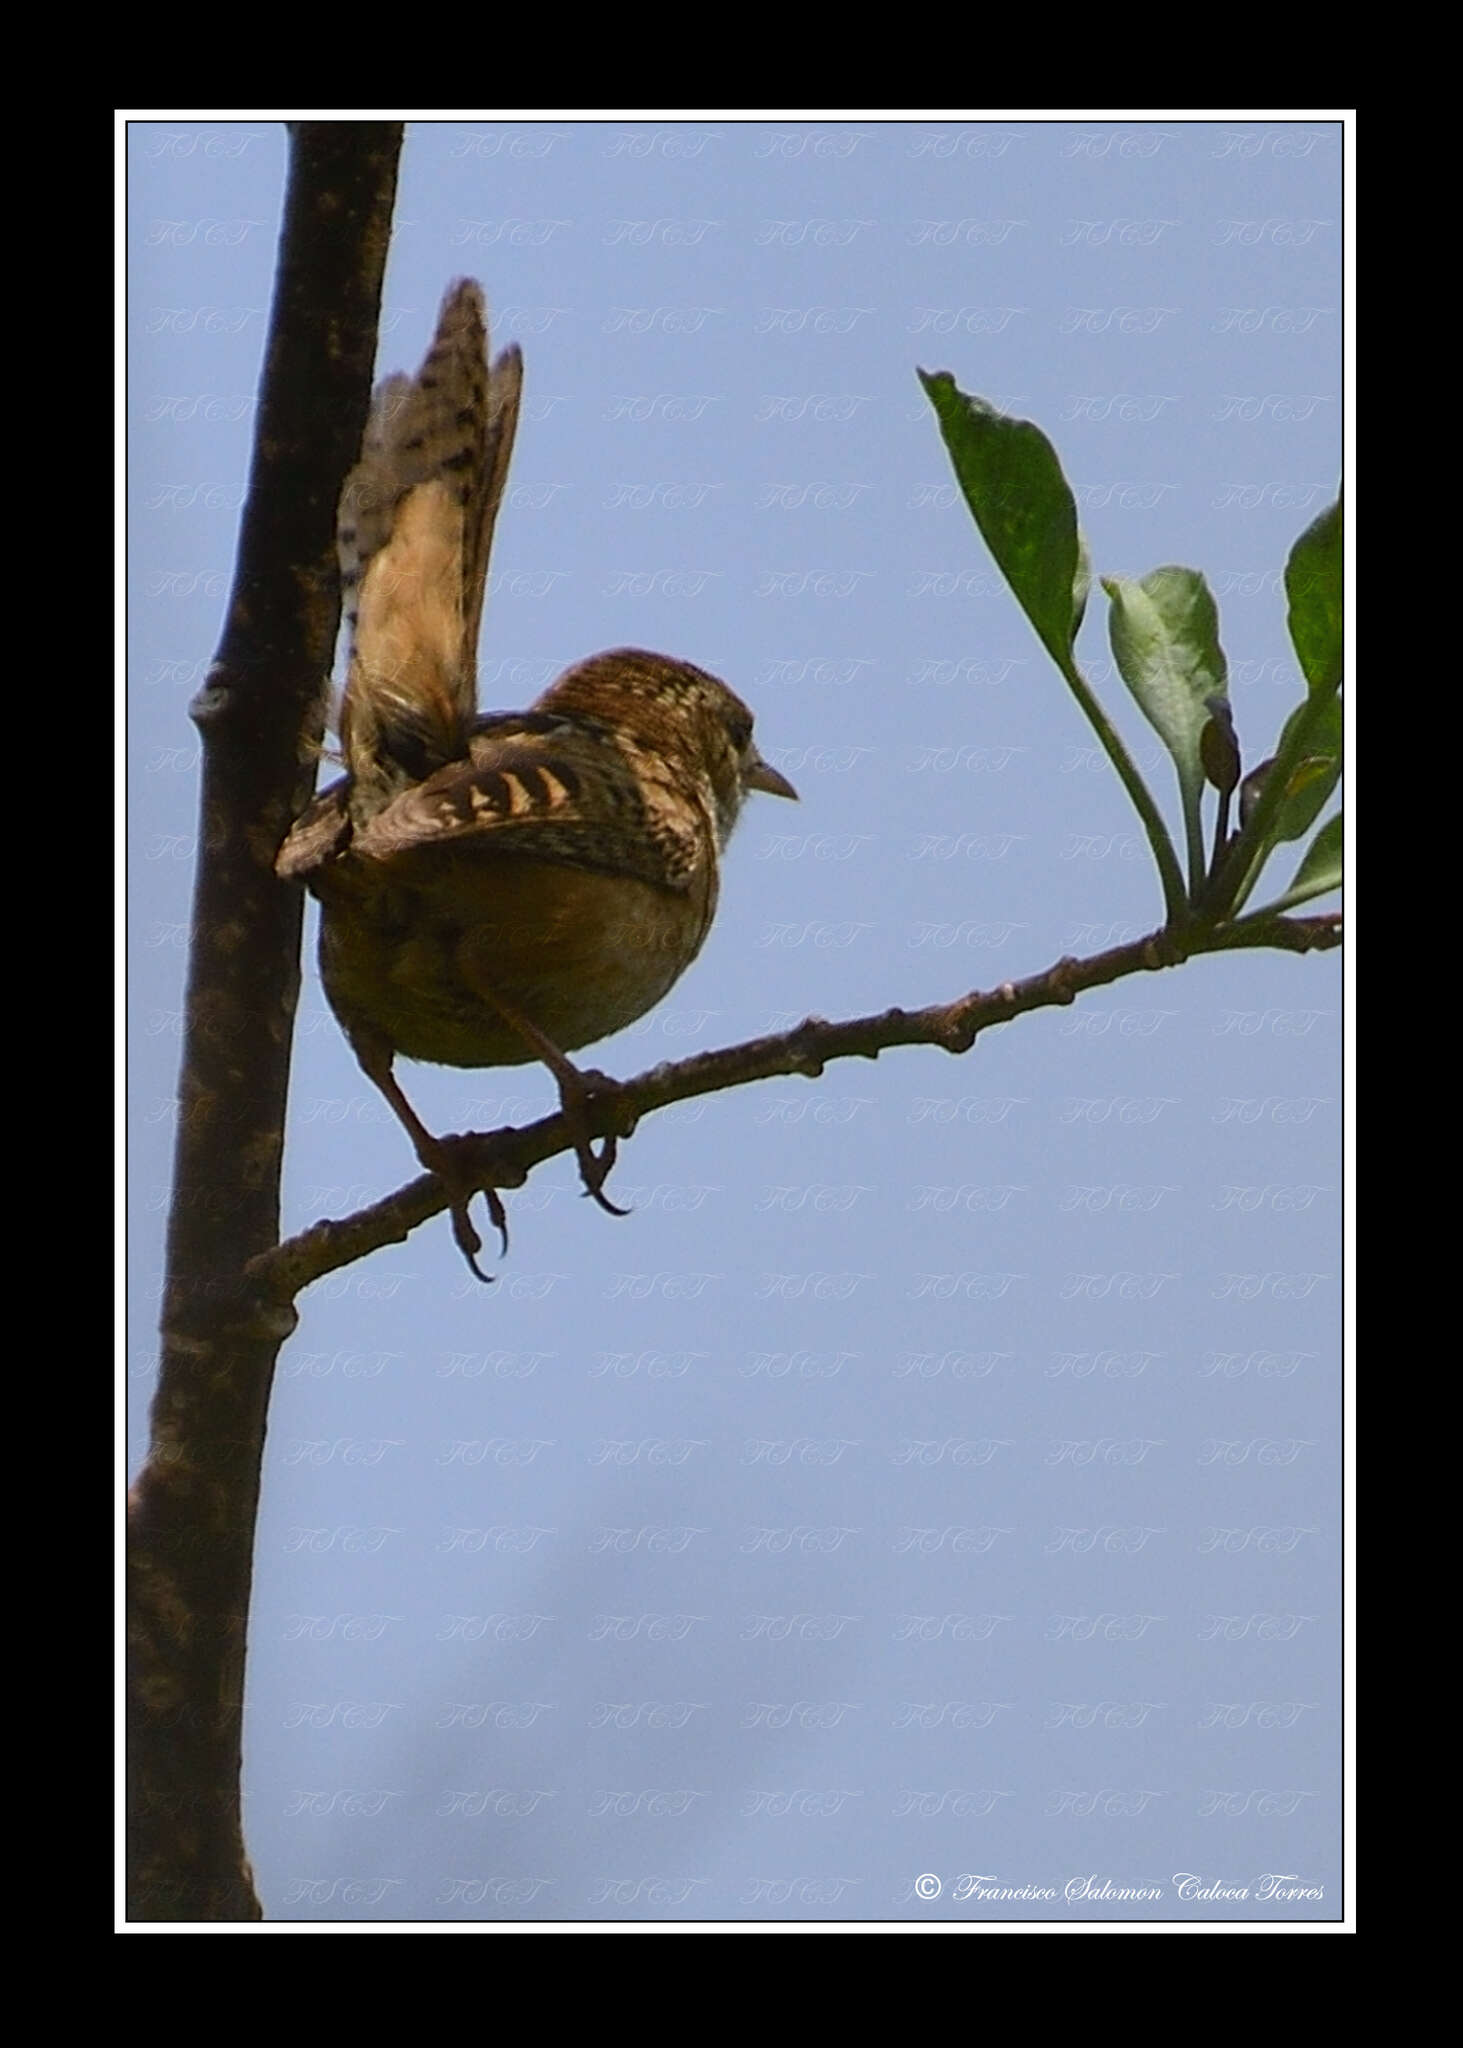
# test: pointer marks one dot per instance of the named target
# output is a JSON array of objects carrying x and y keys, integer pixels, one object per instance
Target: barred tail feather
[{"x": 414, "y": 531}]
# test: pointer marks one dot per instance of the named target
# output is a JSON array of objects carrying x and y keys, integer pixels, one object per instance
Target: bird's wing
[
  {"x": 319, "y": 833},
  {"x": 544, "y": 788}
]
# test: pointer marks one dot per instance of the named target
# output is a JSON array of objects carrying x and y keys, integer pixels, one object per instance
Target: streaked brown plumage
[{"x": 511, "y": 887}]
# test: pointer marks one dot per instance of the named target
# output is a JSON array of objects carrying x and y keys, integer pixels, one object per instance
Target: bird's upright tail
[{"x": 414, "y": 531}]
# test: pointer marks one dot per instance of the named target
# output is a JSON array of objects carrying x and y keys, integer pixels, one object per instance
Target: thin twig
[{"x": 504, "y": 1159}]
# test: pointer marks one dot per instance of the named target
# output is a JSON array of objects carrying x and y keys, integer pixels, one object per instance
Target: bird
[{"x": 502, "y": 887}]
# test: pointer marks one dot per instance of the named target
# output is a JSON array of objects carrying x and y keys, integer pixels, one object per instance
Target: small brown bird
[{"x": 503, "y": 888}]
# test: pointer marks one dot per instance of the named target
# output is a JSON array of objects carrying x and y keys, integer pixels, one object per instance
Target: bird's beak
[{"x": 760, "y": 775}]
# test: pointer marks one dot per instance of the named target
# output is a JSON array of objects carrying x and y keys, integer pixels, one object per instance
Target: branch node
[
  {"x": 1061, "y": 979},
  {"x": 957, "y": 1025},
  {"x": 1165, "y": 949},
  {"x": 805, "y": 1055},
  {"x": 213, "y": 699}
]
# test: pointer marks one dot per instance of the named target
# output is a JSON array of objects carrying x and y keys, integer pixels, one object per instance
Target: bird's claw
[
  {"x": 459, "y": 1201},
  {"x": 595, "y": 1168}
]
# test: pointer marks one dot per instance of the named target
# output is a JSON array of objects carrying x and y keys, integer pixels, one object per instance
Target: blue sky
[{"x": 938, "y": 1474}]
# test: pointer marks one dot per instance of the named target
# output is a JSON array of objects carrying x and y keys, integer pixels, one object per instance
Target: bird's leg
[
  {"x": 376, "y": 1058},
  {"x": 575, "y": 1090}
]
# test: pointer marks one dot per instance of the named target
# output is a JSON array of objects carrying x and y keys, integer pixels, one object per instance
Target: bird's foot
[
  {"x": 435, "y": 1154},
  {"x": 437, "y": 1157},
  {"x": 577, "y": 1089}
]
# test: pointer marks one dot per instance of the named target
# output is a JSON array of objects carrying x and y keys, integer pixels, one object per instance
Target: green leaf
[
  {"x": 1081, "y": 585},
  {"x": 1313, "y": 585},
  {"x": 1314, "y": 776},
  {"x": 1013, "y": 484},
  {"x": 1321, "y": 868},
  {"x": 1165, "y": 640},
  {"x": 1021, "y": 502}
]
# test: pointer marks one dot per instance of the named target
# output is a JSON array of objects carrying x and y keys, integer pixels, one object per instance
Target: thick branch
[
  {"x": 191, "y": 1524},
  {"x": 504, "y": 1158}
]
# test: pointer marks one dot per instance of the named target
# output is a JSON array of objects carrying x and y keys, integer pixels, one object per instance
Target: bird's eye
[{"x": 740, "y": 728}]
